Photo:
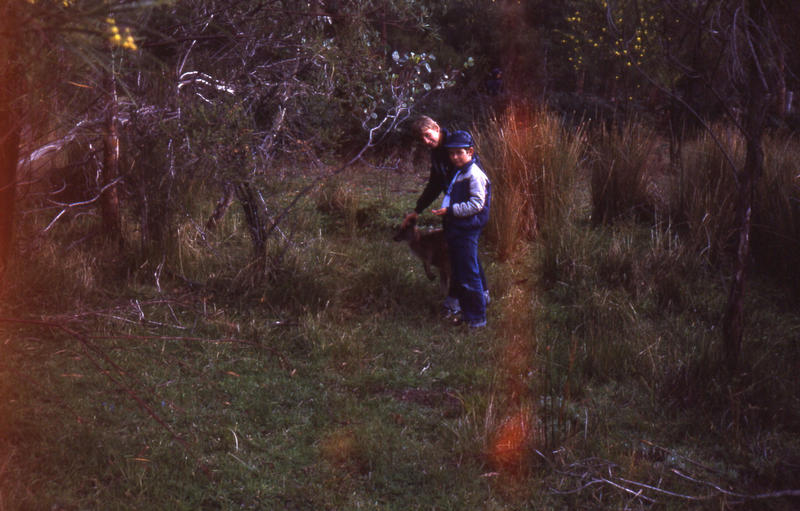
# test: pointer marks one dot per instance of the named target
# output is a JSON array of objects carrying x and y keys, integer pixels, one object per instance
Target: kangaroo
[{"x": 431, "y": 248}]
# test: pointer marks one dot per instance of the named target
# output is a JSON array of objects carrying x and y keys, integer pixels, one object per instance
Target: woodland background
[{"x": 201, "y": 306}]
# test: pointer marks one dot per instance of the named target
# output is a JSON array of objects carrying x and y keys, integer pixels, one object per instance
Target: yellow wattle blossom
[
  {"x": 129, "y": 43},
  {"x": 117, "y": 39}
]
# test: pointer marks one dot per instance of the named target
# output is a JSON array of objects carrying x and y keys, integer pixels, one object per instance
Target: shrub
[{"x": 338, "y": 200}]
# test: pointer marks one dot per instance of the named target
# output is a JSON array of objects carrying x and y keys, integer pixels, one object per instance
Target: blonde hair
[{"x": 423, "y": 123}]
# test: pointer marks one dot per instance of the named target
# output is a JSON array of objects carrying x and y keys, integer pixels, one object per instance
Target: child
[
  {"x": 434, "y": 137},
  {"x": 465, "y": 209}
]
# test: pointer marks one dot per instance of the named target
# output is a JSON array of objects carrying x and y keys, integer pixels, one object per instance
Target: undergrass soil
[{"x": 332, "y": 382}]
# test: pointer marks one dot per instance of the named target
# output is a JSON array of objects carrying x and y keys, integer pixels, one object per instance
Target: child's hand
[{"x": 439, "y": 212}]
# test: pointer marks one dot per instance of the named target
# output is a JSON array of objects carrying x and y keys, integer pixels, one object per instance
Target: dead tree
[
  {"x": 109, "y": 201},
  {"x": 760, "y": 68}
]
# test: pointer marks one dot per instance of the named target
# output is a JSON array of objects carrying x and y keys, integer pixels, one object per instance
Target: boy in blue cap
[
  {"x": 434, "y": 137},
  {"x": 465, "y": 209}
]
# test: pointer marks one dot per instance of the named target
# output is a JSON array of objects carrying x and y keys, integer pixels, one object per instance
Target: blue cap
[{"x": 458, "y": 139}]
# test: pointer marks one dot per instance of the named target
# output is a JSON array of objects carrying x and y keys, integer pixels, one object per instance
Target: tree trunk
[
  {"x": 733, "y": 323},
  {"x": 10, "y": 128},
  {"x": 755, "y": 118},
  {"x": 256, "y": 221},
  {"x": 109, "y": 199},
  {"x": 223, "y": 204}
]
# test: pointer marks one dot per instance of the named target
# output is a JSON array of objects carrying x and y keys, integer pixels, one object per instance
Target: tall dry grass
[
  {"x": 776, "y": 213},
  {"x": 703, "y": 197},
  {"x": 533, "y": 162}
]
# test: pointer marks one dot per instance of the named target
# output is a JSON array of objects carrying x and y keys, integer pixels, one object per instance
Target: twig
[
  {"x": 235, "y": 440},
  {"x": 675, "y": 454},
  {"x": 637, "y": 494},
  {"x": 246, "y": 465},
  {"x": 583, "y": 471},
  {"x": 666, "y": 492},
  {"x": 68, "y": 206},
  {"x": 769, "y": 495}
]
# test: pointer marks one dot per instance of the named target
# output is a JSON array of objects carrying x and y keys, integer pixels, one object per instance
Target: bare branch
[
  {"x": 69, "y": 206},
  {"x": 758, "y": 496}
]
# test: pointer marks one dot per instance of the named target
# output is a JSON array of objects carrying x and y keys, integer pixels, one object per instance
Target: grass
[
  {"x": 623, "y": 159},
  {"x": 334, "y": 384}
]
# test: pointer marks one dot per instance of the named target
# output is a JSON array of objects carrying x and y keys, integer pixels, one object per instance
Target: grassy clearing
[{"x": 334, "y": 385}]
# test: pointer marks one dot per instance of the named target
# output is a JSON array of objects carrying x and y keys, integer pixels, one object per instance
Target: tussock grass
[
  {"x": 70, "y": 266},
  {"x": 776, "y": 215},
  {"x": 702, "y": 203},
  {"x": 703, "y": 200},
  {"x": 623, "y": 160},
  {"x": 532, "y": 161},
  {"x": 340, "y": 201}
]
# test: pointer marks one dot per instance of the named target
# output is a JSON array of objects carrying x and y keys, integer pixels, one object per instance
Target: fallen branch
[
  {"x": 744, "y": 496},
  {"x": 587, "y": 471}
]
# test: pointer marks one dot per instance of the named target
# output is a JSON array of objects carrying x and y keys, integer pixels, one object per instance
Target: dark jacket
[{"x": 441, "y": 174}]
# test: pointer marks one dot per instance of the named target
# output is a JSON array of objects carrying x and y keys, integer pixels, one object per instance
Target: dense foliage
[{"x": 204, "y": 95}]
